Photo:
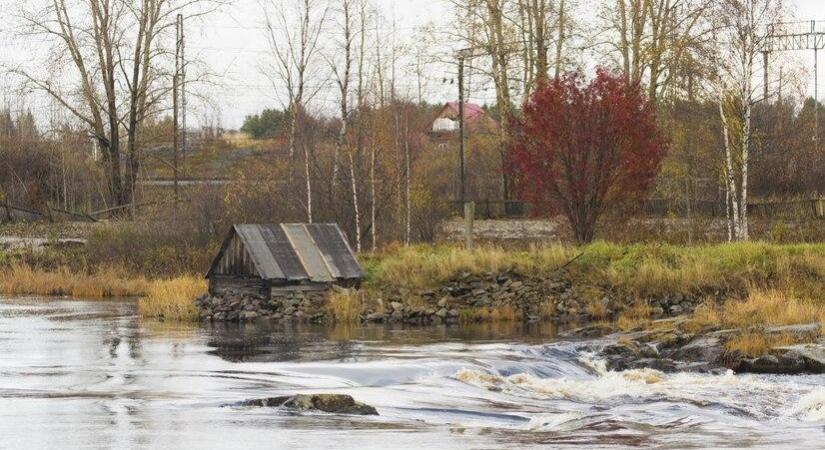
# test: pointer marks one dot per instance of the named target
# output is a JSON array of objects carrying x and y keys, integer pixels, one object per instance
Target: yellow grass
[
  {"x": 756, "y": 344},
  {"x": 761, "y": 308},
  {"x": 173, "y": 300},
  {"x": 425, "y": 265},
  {"x": 596, "y": 310},
  {"x": 347, "y": 305},
  {"x": 637, "y": 316},
  {"x": 107, "y": 282}
]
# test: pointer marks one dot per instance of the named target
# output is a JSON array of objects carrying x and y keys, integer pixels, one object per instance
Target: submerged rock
[
  {"x": 788, "y": 364},
  {"x": 329, "y": 403},
  {"x": 707, "y": 349}
]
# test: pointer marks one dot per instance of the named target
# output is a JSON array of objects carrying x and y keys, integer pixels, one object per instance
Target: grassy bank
[
  {"x": 763, "y": 275},
  {"x": 766, "y": 283},
  {"x": 170, "y": 300},
  {"x": 642, "y": 270}
]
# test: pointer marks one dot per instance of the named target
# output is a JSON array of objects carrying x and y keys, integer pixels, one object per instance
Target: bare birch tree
[
  {"x": 342, "y": 71},
  {"x": 652, "y": 37},
  {"x": 115, "y": 51},
  {"x": 293, "y": 32},
  {"x": 742, "y": 25}
]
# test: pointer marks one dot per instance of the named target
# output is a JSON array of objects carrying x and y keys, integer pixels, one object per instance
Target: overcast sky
[{"x": 231, "y": 43}]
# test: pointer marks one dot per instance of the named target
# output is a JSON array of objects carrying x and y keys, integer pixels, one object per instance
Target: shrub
[{"x": 173, "y": 300}]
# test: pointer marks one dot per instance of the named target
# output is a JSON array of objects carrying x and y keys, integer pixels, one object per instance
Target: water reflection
[
  {"x": 94, "y": 375},
  {"x": 269, "y": 342}
]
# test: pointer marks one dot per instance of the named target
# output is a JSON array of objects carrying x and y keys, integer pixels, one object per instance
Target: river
[{"x": 79, "y": 374}]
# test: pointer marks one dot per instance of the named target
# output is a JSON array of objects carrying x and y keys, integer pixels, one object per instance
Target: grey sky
[{"x": 232, "y": 44}]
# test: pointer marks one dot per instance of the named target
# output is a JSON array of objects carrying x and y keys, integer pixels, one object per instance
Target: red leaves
[{"x": 582, "y": 148}]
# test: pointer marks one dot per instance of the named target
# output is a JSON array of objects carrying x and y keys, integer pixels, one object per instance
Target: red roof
[{"x": 471, "y": 110}]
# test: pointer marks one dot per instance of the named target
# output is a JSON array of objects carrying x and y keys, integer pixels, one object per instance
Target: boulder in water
[{"x": 329, "y": 403}]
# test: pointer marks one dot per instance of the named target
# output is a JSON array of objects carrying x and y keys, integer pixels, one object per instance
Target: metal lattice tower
[{"x": 808, "y": 35}]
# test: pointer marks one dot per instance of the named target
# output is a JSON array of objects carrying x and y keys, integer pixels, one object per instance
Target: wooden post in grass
[{"x": 469, "y": 218}]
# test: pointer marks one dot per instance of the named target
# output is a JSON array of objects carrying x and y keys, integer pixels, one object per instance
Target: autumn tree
[
  {"x": 108, "y": 60},
  {"x": 585, "y": 148},
  {"x": 741, "y": 24},
  {"x": 293, "y": 31}
]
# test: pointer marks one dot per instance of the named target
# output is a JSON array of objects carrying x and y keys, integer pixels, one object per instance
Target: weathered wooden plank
[
  {"x": 333, "y": 246},
  {"x": 281, "y": 249},
  {"x": 308, "y": 252},
  {"x": 258, "y": 250}
]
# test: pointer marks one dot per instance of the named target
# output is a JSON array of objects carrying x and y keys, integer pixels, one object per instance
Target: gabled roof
[
  {"x": 471, "y": 110},
  {"x": 295, "y": 252}
]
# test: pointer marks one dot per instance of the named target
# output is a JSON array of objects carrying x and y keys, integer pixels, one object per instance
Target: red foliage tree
[{"x": 583, "y": 148}]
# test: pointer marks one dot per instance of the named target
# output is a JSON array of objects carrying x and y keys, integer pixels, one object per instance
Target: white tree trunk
[
  {"x": 308, "y": 184},
  {"x": 354, "y": 187},
  {"x": 729, "y": 173},
  {"x": 746, "y": 132},
  {"x": 373, "y": 200}
]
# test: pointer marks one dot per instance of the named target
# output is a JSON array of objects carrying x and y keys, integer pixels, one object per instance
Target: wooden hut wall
[
  {"x": 221, "y": 284},
  {"x": 236, "y": 261}
]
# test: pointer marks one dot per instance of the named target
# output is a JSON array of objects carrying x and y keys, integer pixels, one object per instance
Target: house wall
[
  {"x": 244, "y": 285},
  {"x": 236, "y": 261}
]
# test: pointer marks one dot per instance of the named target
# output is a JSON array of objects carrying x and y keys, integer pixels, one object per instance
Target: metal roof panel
[
  {"x": 283, "y": 252},
  {"x": 258, "y": 249},
  {"x": 335, "y": 250},
  {"x": 308, "y": 252}
]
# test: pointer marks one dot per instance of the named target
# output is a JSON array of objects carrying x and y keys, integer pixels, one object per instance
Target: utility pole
[
  {"x": 175, "y": 105},
  {"x": 808, "y": 35},
  {"x": 816, "y": 99},
  {"x": 182, "y": 87},
  {"x": 765, "y": 75},
  {"x": 462, "y": 189}
]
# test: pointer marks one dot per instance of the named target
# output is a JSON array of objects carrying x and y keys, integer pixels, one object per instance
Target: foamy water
[{"x": 92, "y": 375}]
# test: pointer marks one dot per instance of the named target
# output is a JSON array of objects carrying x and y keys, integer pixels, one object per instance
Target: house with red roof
[{"x": 446, "y": 124}]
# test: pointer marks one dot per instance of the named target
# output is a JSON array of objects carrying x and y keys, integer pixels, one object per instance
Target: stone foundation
[
  {"x": 298, "y": 306},
  {"x": 466, "y": 298}
]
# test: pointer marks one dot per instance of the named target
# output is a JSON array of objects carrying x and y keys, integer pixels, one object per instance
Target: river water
[{"x": 77, "y": 374}]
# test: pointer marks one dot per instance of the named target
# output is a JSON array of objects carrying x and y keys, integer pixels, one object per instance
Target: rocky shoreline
[
  {"x": 668, "y": 349},
  {"x": 465, "y": 298}
]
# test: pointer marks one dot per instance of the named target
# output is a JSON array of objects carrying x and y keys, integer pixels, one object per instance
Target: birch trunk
[{"x": 729, "y": 173}]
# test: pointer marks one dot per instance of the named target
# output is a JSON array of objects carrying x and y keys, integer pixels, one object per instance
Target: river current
[{"x": 79, "y": 374}]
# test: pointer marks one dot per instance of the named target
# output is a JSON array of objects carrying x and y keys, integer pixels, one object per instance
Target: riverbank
[{"x": 628, "y": 285}]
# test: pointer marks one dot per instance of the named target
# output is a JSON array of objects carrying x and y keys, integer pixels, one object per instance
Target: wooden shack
[{"x": 262, "y": 259}]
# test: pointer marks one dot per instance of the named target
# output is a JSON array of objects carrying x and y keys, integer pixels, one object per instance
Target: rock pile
[
  {"x": 298, "y": 306},
  {"x": 467, "y": 297},
  {"x": 473, "y": 295},
  {"x": 328, "y": 403},
  {"x": 670, "y": 349}
]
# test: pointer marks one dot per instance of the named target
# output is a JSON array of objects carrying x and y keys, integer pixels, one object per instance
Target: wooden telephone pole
[
  {"x": 176, "y": 91},
  {"x": 462, "y": 196}
]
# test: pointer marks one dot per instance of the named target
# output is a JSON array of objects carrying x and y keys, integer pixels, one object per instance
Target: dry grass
[
  {"x": 597, "y": 310},
  {"x": 643, "y": 270},
  {"x": 105, "y": 283},
  {"x": 425, "y": 265},
  {"x": 347, "y": 305},
  {"x": 755, "y": 344},
  {"x": 635, "y": 317},
  {"x": 173, "y": 300},
  {"x": 759, "y": 308},
  {"x": 547, "y": 309},
  {"x": 773, "y": 308},
  {"x": 654, "y": 270},
  {"x": 758, "y": 311}
]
